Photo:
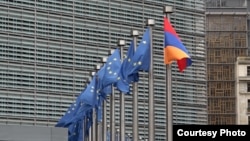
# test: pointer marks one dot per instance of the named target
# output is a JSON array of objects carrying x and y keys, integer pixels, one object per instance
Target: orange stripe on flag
[{"x": 172, "y": 53}]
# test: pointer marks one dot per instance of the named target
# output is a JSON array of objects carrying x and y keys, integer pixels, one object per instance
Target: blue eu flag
[
  {"x": 141, "y": 59},
  {"x": 66, "y": 119},
  {"x": 75, "y": 131},
  {"x": 67, "y": 116},
  {"x": 109, "y": 72},
  {"x": 84, "y": 113},
  {"x": 125, "y": 78},
  {"x": 107, "y": 76},
  {"x": 89, "y": 96}
]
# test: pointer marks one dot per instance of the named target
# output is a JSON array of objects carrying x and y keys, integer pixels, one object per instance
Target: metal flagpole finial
[
  {"x": 134, "y": 33},
  {"x": 150, "y": 22},
  {"x": 112, "y": 51},
  {"x": 168, "y": 9},
  {"x": 97, "y": 67},
  {"x": 89, "y": 79},
  {"x": 93, "y": 73},
  {"x": 121, "y": 42},
  {"x": 104, "y": 59}
]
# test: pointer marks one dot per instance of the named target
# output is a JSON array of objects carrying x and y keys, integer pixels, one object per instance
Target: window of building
[
  {"x": 248, "y": 103},
  {"x": 248, "y": 70},
  {"x": 248, "y": 110},
  {"x": 248, "y": 120},
  {"x": 248, "y": 87}
]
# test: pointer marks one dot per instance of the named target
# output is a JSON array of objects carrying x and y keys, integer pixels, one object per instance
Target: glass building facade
[{"x": 48, "y": 49}]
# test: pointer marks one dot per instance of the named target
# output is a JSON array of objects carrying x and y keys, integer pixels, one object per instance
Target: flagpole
[
  {"x": 94, "y": 126},
  {"x": 86, "y": 137},
  {"x": 135, "y": 34},
  {"x": 104, "y": 113},
  {"x": 98, "y": 125},
  {"x": 104, "y": 121},
  {"x": 112, "y": 113},
  {"x": 84, "y": 127},
  {"x": 93, "y": 132},
  {"x": 169, "y": 106},
  {"x": 151, "y": 120},
  {"x": 122, "y": 43}
]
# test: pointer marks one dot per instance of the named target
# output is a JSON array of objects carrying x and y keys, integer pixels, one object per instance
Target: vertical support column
[
  {"x": 93, "y": 127},
  {"x": 104, "y": 113},
  {"x": 169, "y": 106},
  {"x": 135, "y": 34},
  {"x": 122, "y": 43},
  {"x": 112, "y": 113},
  {"x": 151, "y": 115},
  {"x": 98, "y": 125}
]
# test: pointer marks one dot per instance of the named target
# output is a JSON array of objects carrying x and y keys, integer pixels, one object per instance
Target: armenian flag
[{"x": 174, "y": 48}]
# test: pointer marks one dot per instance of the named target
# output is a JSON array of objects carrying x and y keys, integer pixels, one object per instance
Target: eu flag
[
  {"x": 73, "y": 120},
  {"x": 66, "y": 119},
  {"x": 141, "y": 60},
  {"x": 83, "y": 113},
  {"x": 89, "y": 96},
  {"x": 67, "y": 116},
  {"x": 125, "y": 78},
  {"x": 174, "y": 49},
  {"x": 127, "y": 59},
  {"x": 108, "y": 74},
  {"x": 75, "y": 131}
]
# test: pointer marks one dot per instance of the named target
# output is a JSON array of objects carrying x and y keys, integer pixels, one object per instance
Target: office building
[
  {"x": 227, "y": 38},
  {"x": 242, "y": 68},
  {"x": 48, "y": 49}
]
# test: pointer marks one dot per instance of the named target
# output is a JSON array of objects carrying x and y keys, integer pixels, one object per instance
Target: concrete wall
[
  {"x": 242, "y": 95},
  {"x": 32, "y": 133}
]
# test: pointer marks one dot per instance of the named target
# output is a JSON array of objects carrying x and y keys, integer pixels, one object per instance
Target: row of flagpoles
[{"x": 86, "y": 117}]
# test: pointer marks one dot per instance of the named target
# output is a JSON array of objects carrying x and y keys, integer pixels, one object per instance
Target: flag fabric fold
[
  {"x": 125, "y": 78},
  {"x": 135, "y": 62},
  {"x": 80, "y": 112},
  {"x": 66, "y": 119},
  {"x": 106, "y": 76},
  {"x": 89, "y": 96},
  {"x": 174, "y": 50},
  {"x": 141, "y": 58},
  {"x": 109, "y": 72},
  {"x": 74, "y": 119}
]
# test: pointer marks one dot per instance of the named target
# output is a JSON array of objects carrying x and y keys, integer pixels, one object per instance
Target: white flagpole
[
  {"x": 93, "y": 132},
  {"x": 122, "y": 43},
  {"x": 135, "y": 34},
  {"x": 104, "y": 113},
  {"x": 151, "y": 114},
  {"x": 98, "y": 125},
  {"x": 112, "y": 112},
  {"x": 169, "y": 106},
  {"x": 86, "y": 137},
  {"x": 104, "y": 121},
  {"x": 94, "y": 126},
  {"x": 112, "y": 115},
  {"x": 90, "y": 130}
]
